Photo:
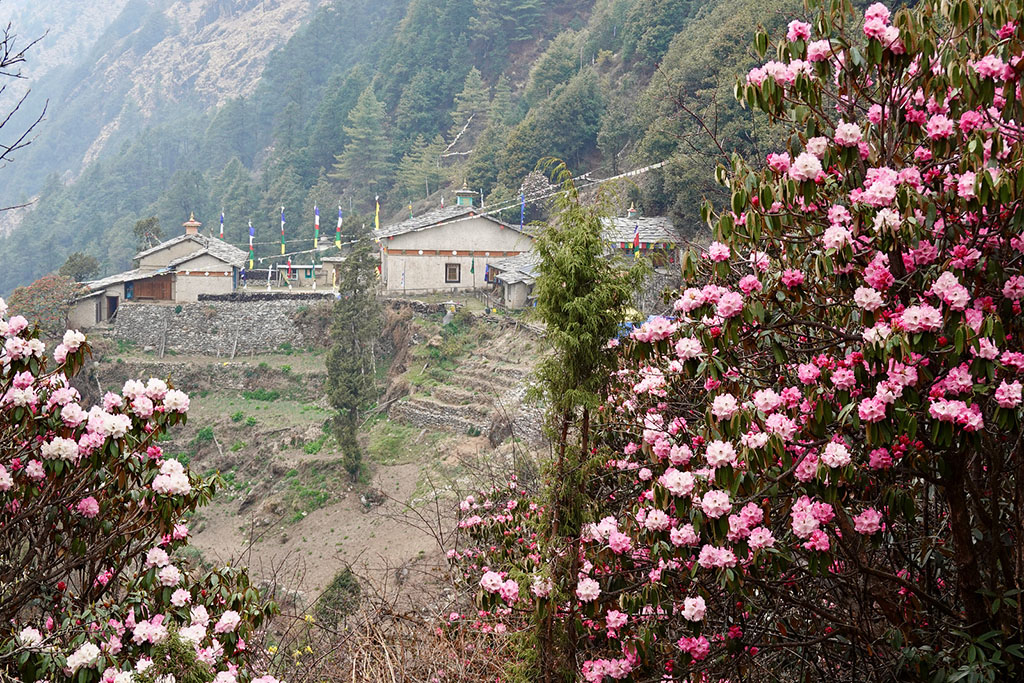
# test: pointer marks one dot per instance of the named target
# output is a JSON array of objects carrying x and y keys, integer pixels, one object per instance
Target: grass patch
[
  {"x": 237, "y": 416},
  {"x": 237, "y": 446},
  {"x": 310, "y": 489},
  {"x": 262, "y": 394},
  {"x": 250, "y": 421},
  {"x": 204, "y": 435},
  {"x": 393, "y": 443}
]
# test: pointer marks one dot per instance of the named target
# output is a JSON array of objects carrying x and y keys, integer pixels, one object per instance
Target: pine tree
[
  {"x": 473, "y": 101},
  {"x": 420, "y": 170},
  {"x": 365, "y": 162},
  {"x": 355, "y": 327},
  {"x": 501, "y": 104},
  {"x": 327, "y": 132},
  {"x": 582, "y": 296}
]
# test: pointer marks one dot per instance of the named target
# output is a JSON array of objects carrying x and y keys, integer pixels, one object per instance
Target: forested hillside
[{"x": 396, "y": 98}]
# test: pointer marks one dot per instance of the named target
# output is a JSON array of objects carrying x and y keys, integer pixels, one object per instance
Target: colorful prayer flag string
[
  {"x": 316, "y": 226},
  {"x": 252, "y": 254},
  {"x": 337, "y": 231},
  {"x": 282, "y": 231}
]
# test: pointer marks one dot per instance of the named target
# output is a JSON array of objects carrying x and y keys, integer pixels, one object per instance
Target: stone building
[
  {"x": 173, "y": 272},
  {"x": 658, "y": 238},
  {"x": 446, "y": 250}
]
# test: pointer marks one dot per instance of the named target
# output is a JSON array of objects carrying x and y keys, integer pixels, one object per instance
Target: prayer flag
[
  {"x": 472, "y": 266},
  {"x": 252, "y": 233},
  {"x": 289, "y": 267},
  {"x": 410, "y": 210},
  {"x": 522, "y": 209},
  {"x": 222, "y": 223},
  {"x": 376, "y": 213},
  {"x": 337, "y": 231},
  {"x": 636, "y": 241},
  {"x": 316, "y": 226},
  {"x": 282, "y": 231}
]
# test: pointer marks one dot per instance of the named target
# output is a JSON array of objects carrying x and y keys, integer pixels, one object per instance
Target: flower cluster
[{"x": 100, "y": 587}]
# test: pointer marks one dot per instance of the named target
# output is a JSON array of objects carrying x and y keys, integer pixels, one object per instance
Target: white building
[{"x": 446, "y": 250}]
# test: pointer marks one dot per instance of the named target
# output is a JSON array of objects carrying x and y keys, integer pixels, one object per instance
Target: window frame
[{"x": 458, "y": 273}]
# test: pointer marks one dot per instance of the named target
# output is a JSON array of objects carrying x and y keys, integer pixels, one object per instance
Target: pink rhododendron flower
[
  {"x": 588, "y": 589},
  {"x": 491, "y": 582},
  {"x": 227, "y": 622},
  {"x": 798, "y": 30},
  {"x": 922, "y": 318},
  {"x": 720, "y": 453},
  {"x": 819, "y": 50},
  {"x": 1008, "y": 395},
  {"x": 718, "y": 251},
  {"x": 509, "y": 591},
  {"x": 939, "y": 127},
  {"x": 88, "y": 507},
  {"x": 871, "y": 410},
  {"x": 805, "y": 167},
  {"x": 730, "y": 305},
  {"x": 724, "y": 406},
  {"x": 848, "y": 134},
  {"x": 694, "y": 608},
  {"x": 716, "y": 503},
  {"x": 868, "y": 522},
  {"x": 683, "y": 535},
  {"x": 697, "y": 647}
]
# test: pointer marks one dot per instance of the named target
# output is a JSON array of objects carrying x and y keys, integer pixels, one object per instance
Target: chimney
[
  {"x": 632, "y": 213},
  {"x": 191, "y": 225},
  {"x": 464, "y": 197}
]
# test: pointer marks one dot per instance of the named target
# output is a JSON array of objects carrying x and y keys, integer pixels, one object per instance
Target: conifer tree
[
  {"x": 365, "y": 162},
  {"x": 582, "y": 297},
  {"x": 501, "y": 102},
  {"x": 473, "y": 101},
  {"x": 355, "y": 328}
]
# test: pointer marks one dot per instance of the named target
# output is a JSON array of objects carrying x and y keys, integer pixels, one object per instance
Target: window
[{"x": 453, "y": 272}]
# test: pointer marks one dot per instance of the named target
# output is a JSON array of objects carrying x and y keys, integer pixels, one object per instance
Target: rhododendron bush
[
  {"x": 810, "y": 471},
  {"x": 92, "y": 585}
]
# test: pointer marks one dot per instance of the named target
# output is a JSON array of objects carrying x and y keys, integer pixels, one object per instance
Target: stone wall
[{"x": 217, "y": 326}]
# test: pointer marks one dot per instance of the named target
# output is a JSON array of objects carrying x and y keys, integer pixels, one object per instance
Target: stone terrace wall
[{"x": 217, "y": 324}]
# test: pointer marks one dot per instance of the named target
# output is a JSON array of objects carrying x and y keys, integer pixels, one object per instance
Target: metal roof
[
  {"x": 220, "y": 249},
  {"x": 524, "y": 267},
  {"x": 653, "y": 230},
  {"x": 436, "y": 217}
]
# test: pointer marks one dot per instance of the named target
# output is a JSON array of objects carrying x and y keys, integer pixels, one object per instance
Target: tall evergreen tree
[
  {"x": 365, "y": 162},
  {"x": 327, "y": 135},
  {"x": 419, "y": 172},
  {"x": 501, "y": 104},
  {"x": 355, "y": 327},
  {"x": 582, "y": 296},
  {"x": 473, "y": 101}
]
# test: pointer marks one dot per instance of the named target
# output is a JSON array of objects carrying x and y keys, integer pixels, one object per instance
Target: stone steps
[
  {"x": 437, "y": 416},
  {"x": 475, "y": 412},
  {"x": 454, "y": 395}
]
